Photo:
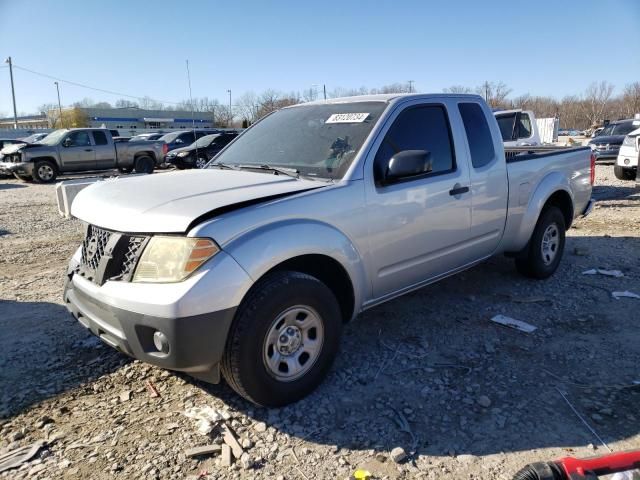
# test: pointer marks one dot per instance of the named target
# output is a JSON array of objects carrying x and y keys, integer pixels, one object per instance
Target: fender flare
[
  {"x": 259, "y": 250},
  {"x": 550, "y": 184}
]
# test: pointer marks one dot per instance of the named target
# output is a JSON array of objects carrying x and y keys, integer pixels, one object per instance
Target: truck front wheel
[
  {"x": 544, "y": 252},
  {"x": 44, "y": 171},
  {"x": 144, "y": 164},
  {"x": 283, "y": 340}
]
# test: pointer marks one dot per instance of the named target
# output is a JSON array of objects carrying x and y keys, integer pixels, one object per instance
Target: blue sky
[{"x": 139, "y": 48}]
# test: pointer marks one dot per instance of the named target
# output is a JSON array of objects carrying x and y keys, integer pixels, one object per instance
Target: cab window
[{"x": 78, "y": 139}]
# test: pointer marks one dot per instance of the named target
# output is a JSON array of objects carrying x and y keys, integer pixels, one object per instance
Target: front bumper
[
  {"x": 195, "y": 343},
  {"x": 187, "y": 161},
  {"x": 22, "y": 168}
]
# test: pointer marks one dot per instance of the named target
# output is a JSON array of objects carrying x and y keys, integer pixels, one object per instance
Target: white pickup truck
[
  {"x": 317, "y": 212},
  {"x": 518, "y": 128}
]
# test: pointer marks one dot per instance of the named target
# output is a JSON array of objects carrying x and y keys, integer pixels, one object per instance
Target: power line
[{"x": 110, "y": 92}]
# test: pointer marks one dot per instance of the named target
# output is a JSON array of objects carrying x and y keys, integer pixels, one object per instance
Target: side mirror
[
  {"x": 406, "y": 164},
  {"x": 66, "y": 142}
]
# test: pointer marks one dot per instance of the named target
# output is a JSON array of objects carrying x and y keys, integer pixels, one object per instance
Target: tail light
[
  {"x": 593, "y": 168},
  {"x": 165, "y": 149}
]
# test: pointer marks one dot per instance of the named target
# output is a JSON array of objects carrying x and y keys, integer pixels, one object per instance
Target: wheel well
[
  {"x": 329, "y": 272},
  {"x": 47, "y": 159},
  {"x": 144, "y": 154},
  {"x": 562, "y": 200}
]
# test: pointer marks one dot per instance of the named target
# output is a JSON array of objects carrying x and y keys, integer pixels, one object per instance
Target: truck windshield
[
  {"x": 54, "y": 137},
  {"x": 316, "y": 140},
  {"x": 618, "y": 129}
]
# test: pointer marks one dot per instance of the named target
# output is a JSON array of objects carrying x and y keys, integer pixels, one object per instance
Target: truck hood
[
  {"x": 13, "y": 148},
  {"x": 170, "y": 202},
  {"x": 611, "y": 139}
]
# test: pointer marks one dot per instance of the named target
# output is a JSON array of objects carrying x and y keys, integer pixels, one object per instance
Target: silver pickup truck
[
  {"x": 79, "y": 149},
  {"x": 252, "y": 265}
]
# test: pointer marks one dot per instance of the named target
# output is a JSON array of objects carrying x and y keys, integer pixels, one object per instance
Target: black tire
[
  {"x": 125, "y": 169},
  {"x": 179, "y": 166},
  {"x": 622, "y": 173},
  {"x": 44, "y": 171},
  {"x": 535, "y": 263},
  {"x": 144, "y": 164},
  {"x": 244, "y": 364}
]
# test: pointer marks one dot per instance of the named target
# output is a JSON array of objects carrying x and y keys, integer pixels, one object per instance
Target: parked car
[
  {"x": 315, "y": 213},
  {"x": 626, "y": 166},
  {"x": 518, "y": 127},
  {"x": 33, "y": 138},
  {"x": 79, "y": 149},
  {"x": 146, "y": 137},
  {"x": 198, "y": 154},
  {"x": 606, "y": 145},
  {"x": 183, "y": 138}
]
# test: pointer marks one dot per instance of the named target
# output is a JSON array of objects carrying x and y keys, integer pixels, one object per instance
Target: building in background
[{"x": 128, "y": 121}]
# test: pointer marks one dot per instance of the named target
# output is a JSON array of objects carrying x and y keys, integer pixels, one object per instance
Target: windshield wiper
[
  {"x": 224, "y": 165},
  {"x": 290, "y": 172}
]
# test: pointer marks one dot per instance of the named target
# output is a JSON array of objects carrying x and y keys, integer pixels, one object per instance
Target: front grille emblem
[{"x": 92, "y": 248}]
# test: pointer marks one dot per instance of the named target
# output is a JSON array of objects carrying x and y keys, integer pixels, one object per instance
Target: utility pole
[
  {"x": 324, "y": 89},
  {"x": 230, "y": 114},
  {"x": 13, "y": 93},
  {"x": 411, "y": 86},
  {"x": 59, "y": 104}
]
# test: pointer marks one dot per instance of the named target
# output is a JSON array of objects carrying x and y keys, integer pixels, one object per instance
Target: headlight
[
  {"x": 172, "y": 259},
  {"x": 183, "y": 154},
  {"x": 628, "y": 141}
]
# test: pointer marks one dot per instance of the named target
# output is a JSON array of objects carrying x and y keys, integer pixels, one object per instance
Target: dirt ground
[{"x": 428, "y": 372}]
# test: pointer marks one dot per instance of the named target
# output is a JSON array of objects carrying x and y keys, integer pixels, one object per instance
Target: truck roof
[{"x": 388, "y": 98}]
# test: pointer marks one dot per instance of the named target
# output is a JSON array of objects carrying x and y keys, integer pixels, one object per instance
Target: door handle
[
  {"x": 458, "y": 190},
  {"x": 88, "y": 149}
]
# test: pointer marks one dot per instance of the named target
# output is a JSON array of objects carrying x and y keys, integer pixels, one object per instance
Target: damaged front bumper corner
[{"x": 22, "y": 168}]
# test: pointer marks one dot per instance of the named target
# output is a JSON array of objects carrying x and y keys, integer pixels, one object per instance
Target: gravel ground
[{"x": 428, "y": 372}]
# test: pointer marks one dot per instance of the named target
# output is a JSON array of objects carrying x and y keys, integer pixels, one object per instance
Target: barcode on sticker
[{"x": 347, "y": 118}]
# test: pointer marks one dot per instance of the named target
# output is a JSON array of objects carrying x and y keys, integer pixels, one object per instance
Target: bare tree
[
  {"x": 148, "y": 103},
  {"x": 595, "y": 101},
  {"x": 631, "y": 99},
  {"x": 457, "y": 89},
  {"x": 247, "y": 107},
  {"x": 124, "y": 103},
  {"x": 495, "y": 94}
]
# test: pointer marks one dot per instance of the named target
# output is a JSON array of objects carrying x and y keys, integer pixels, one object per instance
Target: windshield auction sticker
[{"x": 347, "y": 118}]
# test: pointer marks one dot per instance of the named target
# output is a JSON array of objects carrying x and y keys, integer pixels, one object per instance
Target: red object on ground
[{"x": 579, "y": 468}]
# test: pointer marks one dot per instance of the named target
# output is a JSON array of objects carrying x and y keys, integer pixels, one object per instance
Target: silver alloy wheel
[
  {"x": 550, "y": 243},
  {"x": 201, "y": 162},
  {"x": 45, "y": 172},
  {"x": 293, "y": 343}
]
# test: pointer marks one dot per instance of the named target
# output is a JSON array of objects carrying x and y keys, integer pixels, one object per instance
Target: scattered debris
[
  {"x": 533, "y": 299},
  {"x": 152, "y": 390},
  {"x": 246, "y": 461},
  {"x": 484, "y": 401},
  {"x": 626, "y": 293},
  {"x": 361, "y": 475},
  {"x": 260, "y": 427},
  {"x": 15, "y": 458},
  {"x": 204, "y": 450},
  {"x": 226, "y": 455},
  {"x": 125, "y": 396},
  {"x": 398, "y": 455},
  {"x": 608, "y": 273},
  {"x": 207, "y": 418},
  {"x": 513, "y": 323},
  {"x": 231, "y": 440}
]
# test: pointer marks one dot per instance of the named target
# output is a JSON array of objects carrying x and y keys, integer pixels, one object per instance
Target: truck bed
[{"x": 519, "y": 154}]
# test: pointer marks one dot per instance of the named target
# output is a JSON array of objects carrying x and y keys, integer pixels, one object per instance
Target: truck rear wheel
[
  {"x": 283, "y": 339},
  {"x": 44, "y": 171},
  {"x": 622, "y": 173},
  {"x": 546, "y": 246},
  {"x": 144, "y": 164}
]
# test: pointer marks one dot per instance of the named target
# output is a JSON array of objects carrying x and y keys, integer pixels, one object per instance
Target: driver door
[
  {"x": 419, "y": 227},
  {"x": 77, "y": 151}
]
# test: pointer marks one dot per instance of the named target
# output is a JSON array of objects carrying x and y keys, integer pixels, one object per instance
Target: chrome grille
[{"x": 134, "y": 249}]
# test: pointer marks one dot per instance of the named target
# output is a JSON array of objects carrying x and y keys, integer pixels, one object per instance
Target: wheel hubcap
[
  {"x": 293, "y": 343},
  {"x": 201, "y": 162},
  {"x": 550, "y": 243},
  {"x": 45, "y": 172}
]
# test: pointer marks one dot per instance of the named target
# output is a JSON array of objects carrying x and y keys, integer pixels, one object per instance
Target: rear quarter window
[{"x": 478, "y": 134}]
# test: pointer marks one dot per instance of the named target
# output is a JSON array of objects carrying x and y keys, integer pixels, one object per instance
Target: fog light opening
[
  {"x": 161, "y": 342},
  {"x": 626, "y": 161}
]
